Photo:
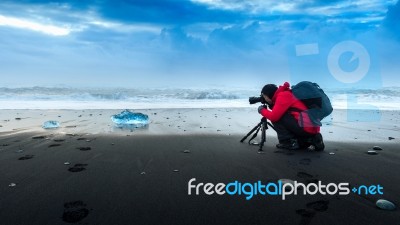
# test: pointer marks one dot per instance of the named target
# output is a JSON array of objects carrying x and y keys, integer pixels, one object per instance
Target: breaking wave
[{"x": 77, "y": 98}]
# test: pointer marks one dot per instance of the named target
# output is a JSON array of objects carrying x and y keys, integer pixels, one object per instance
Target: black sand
[{"x": 133, "y": 180}]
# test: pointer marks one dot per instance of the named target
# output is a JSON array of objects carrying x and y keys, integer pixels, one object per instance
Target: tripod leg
[
  {"x": 252, "y": 130},
  {"x": 263, "y": 135},
  {"x": 255, "y": 134}
]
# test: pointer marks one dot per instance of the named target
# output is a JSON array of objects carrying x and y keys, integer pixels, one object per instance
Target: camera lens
[{"x": 253, "y": 100}]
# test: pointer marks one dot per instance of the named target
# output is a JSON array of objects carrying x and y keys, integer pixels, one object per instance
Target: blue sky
[{"x": 197, "y": 43}]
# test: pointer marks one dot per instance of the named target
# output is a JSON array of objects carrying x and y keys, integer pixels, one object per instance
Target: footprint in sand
[
  {"x": 305, "y": 161},
  {"x": 39, "y": 137},
  {"x": 305, "y": 212},
  {"x": 74, "y": 211},
  {"x": 26, "y": 157},
  {"x": 284, "y": 152},
  {"x": 77, "y": 168},
  {"x": 312, "y": 181},
  {"x": 304, "y": 175},
  {"x": 54, "y": 145},
  {"x": 84, "y": 148},
  {"x": 320, "y": 206},
  {"x": 306, "y": 216},
  {"x": 313, "y": 208}
]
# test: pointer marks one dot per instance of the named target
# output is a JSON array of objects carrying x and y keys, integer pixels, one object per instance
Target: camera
[{"x": 254, "y": 100}]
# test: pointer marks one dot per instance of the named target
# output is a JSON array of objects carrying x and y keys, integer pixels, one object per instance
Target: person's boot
[
  {"x": 290, "y": 144},
  {"x": 318, "y": 142},
  {"x": 304, "y": 142}
]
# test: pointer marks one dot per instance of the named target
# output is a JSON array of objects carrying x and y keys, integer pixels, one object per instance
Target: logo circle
[{"x": 359, "y": 52}]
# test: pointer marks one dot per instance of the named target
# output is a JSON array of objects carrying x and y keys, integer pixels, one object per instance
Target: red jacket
[{"x": 283, "y": 100}]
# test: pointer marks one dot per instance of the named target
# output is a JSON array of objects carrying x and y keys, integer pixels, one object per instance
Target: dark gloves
[{"x": 260, "y": 108}]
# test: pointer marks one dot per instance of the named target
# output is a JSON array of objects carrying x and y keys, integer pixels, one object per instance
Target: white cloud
[
  {"x": 35, "y": 26},
  {"x": 120, "y": 27},
  {"x": 61, "y": 20},
  {"x": 305, "y": 7},
  {"x": 85, "y": 22}
]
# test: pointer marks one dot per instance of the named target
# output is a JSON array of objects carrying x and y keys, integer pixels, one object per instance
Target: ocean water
[{"x": 140, "y": 98}]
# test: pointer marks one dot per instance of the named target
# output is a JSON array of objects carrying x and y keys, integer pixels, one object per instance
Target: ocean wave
[
  {"x": 385, "y": 98},
  {"x": 45, "y": 93},
  {"x": 206, "y": 95},
  {"x": 390, "y": 91}
]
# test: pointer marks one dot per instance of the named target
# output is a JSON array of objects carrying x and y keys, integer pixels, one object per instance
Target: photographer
[{"x": 284, "y": 113}]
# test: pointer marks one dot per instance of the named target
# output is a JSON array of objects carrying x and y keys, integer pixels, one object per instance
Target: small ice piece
[
  {"x": 377, "y": 148},
  {"x": 12, "y": 185},
  {"x": 176, "y": 170},
  {"x": 186, "y": 151},
  {"x": 130, "y": 119},
  {"x": 372, "y": 152},
  {"x": 143, "y": 173},
  {"x": 385, "y": 204},
  {"x": 331, "y": 153},
  {"x": 67, "y": 163},
  {"x": 51, "y": 124}
]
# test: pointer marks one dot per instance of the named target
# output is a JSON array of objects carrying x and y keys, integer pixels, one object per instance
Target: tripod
[{"x": 263, "y": 126}]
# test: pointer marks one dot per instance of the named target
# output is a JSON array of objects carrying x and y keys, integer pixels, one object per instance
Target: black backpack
[{"x": 318, "y": 104}]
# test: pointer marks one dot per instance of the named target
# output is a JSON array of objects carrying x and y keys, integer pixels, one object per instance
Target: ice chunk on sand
[
  {"x": 51, "y": 124},
  {"x": 128, "y": 118}
]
